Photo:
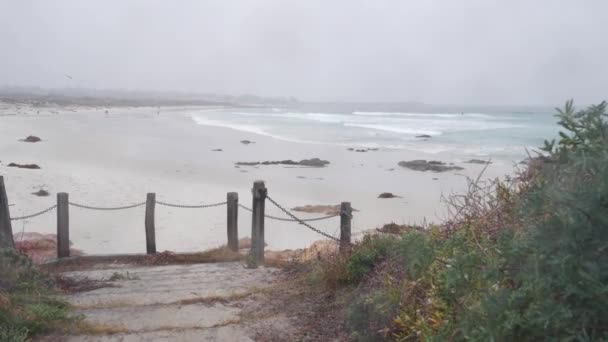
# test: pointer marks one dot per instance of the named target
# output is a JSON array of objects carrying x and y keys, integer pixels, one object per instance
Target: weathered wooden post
[
  {"x": 63, "y": 225},
  {"x": 6, "y": 230},
  {"x": 257, "y": 224},
  {"x": 150, "y": 233},
  {"x": 232, "y": 201},
  {"x": 346, "y": 215}
]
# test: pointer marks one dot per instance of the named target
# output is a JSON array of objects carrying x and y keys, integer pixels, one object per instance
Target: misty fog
[{"x": 450, "y": 52}]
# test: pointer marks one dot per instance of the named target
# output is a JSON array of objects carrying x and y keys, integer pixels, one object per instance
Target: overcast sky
[{"x": 460, "y": 52}]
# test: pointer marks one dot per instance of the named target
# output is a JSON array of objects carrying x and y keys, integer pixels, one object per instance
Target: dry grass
[
  {"x": 88, "y": 328},
  {"x": 221, "y": 254},
  {"x": 487, "y": 205},
  {"x": 216, "y": 299}
]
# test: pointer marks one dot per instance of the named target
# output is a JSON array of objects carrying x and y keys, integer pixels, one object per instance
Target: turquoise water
[{"x": 498, "y": 135}]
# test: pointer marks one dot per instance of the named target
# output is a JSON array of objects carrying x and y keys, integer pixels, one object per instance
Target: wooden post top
[
  {"x": 259, "y": 189},
  {"x": 346, "y": 209}
]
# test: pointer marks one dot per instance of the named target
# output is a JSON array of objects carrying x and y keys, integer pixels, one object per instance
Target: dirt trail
[{"x": 203, "y": 302}]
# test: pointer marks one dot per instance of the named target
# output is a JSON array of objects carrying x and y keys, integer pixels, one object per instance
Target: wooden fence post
[
  {"x": 346, "y": 214},
  {"x": 257, "y": 224},
  {"x": 150, "y": 233},
  {"x": 63, "y": 225},
  {"x": 232, "y": 201},
  {"x": 6, "y": 230}
]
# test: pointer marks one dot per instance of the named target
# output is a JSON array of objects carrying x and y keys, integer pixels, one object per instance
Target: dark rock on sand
[
  {"x": 398, "y": 229},
  {"x": 432, "y": 165},
  {"x": 314, "y": 162},
  {"x": 247, "y": 142},
  {"x": 41, "y": 193},
  {"x": 387, "y": 195},
  {"x": 426, "y": 136},
  {"x": 24, "y": 166},
  {"x": 360, "y": 150},
  {"x": 478, "y": 161},
  {"x": 217, "y": 150},
  {"x": 31, "y": 139}
]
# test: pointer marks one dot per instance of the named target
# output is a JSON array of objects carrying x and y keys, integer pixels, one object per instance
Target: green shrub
[
  {"x": 366, "y": 254},
  {"x": 554, "y": 283},
  {"x": 529, "y": 264},
  {"x": 28, "y": 302},
  {"x": 370, "y": 316}
]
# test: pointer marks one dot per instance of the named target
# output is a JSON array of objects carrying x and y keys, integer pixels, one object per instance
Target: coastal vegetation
[
  {"x": 520, "y": 259},
  {"x": 28, "y": 299}
]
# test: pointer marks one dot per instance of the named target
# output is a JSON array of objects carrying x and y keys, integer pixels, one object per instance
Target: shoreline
[{"x": 115, "y": 159}]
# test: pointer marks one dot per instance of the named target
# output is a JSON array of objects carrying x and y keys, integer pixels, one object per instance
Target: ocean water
[{"x": 503, "y": 135}]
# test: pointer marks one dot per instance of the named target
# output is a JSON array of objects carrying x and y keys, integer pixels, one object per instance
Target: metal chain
[
  {"x": 107, "y": 208},
  {"x": 201, "y": 206},
  {"x": 244, "y": 207},
  {"x": 33, "y": 215},
  {"x": 301, "y": 221},
  {"x": 292, "y": 220}
]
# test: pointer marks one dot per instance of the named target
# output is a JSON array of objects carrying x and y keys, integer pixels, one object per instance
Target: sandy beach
[{"x": 115, "y": 158}]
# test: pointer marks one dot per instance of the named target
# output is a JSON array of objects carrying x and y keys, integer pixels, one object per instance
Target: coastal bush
[
  {"x": 371, "y": 250},
  {"x": 523, "y": 259},
  {"x": 28, "y": 302}
]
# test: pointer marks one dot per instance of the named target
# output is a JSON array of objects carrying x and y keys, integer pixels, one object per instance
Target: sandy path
[{"x": 205, "y": 302}]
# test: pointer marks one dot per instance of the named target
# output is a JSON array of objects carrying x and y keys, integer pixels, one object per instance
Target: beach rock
[
  {"x": 314, "y": 162},
  {"x": 247, "y": 142},
  {"x": 360, "y": 150},
  {"x": 24, "y": 166},
  {"x": 426, "y": 136},
  {"x": 398, "y": 229},
  {"x": 350, "y": 149},
  {"x": 217, "y": 150},
  {"x": 31, "y": 139},
  {"x": 432, "y": 165},
  {"x": 41, "y": 193},
  {"x": 320, "y": 209},
  {"x": 387, "y": 195},
  {"x": 478, "y": 161}
]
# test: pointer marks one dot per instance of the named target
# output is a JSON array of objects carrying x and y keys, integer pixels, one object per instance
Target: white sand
[{"x": 115, "y": 159}]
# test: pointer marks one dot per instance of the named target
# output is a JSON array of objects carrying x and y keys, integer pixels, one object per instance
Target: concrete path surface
[{"x": 204, "y": 302}]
